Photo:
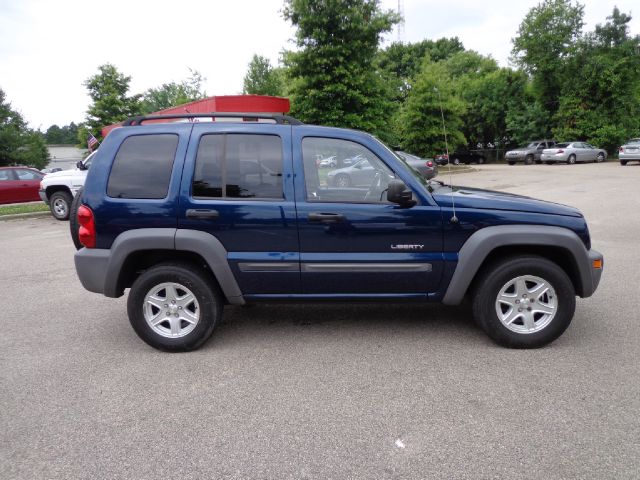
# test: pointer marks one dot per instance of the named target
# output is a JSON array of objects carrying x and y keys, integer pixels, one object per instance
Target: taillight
[
  {"x": 621, "y": 149},
  {"x": 429, "y": 164},
  {"x": 560, "y": 151},
  {"x": 87, "y": 231}
]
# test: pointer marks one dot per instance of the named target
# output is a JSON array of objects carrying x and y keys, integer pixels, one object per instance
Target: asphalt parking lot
[{"x": 336, "y": 391}]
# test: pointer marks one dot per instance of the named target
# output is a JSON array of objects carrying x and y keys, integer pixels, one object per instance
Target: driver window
[{"x": 343, "y": 171}]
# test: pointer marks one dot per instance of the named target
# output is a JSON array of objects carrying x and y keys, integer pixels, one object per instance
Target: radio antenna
[{"x": 453, "y": 219}]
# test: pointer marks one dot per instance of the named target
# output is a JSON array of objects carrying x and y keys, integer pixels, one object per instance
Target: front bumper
[
  {"x": 43, "y": 196},
  {"x": 595, "y": 258}
]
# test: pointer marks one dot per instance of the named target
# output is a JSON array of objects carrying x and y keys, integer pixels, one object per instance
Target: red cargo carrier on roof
[{"x": 225, "y": 103}]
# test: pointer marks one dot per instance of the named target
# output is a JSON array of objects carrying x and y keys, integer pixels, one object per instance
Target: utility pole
[{"x": 401, "y": 24}]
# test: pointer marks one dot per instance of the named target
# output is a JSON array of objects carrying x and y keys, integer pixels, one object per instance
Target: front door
[{"x": 353, "y": 242}]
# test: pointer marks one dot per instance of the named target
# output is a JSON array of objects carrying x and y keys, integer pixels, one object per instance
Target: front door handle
[
  {"x": 326, "y": 217},
  {"x": 202, "y": 213}
]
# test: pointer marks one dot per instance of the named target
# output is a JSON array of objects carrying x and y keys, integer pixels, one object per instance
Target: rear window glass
[
  {"x": 142, "y": 167},
  {"x": 239, "y": 166}
]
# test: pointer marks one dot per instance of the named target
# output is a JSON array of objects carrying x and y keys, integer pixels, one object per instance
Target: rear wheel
[
  {"x": 600, "y": 158},
  {"x": 60, "y": 205},
  {"x": 571, "y": 160},
  {"x": 174, "y": 307},
  {"x": 524, "y": 302},
  {"x": 549, "y": 162},
  {"x": 623, "y": 162},
  {"x": 456, "y": 161},
  {"x": 528, "y": 160},
  {"x": 480, "y": 161},
  {"x": 343, "y": 180}
]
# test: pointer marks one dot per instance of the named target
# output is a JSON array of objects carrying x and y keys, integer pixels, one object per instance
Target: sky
[{"x": 49, "y": 48}]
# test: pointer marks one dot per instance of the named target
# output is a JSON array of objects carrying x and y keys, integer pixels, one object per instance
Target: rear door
[
  {"x": 353, "y": 243},
  {"x": 28, "y": 184},
  {"x": 237, "y": 185}
]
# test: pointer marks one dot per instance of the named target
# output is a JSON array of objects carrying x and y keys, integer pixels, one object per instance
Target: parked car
[
  {"x": 572, "y": 152},
  {"x": 183, "y": 232},
  {"x": 57, "y": 189},
  {"x": 329, "y": 162},
  {"x": 19, "y": 184},
  {"x": 460, "y": 156},
  {"x": 629, "y": 152},
  {"x": 528, "y": 153},
  {"x": 360, "y": 174},
  {"x": 424, "y": 166},
  {"x": 51, "y": 170}
]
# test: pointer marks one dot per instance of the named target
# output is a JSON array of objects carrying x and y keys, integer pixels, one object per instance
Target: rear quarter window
[{"x": 142, "y": 167}]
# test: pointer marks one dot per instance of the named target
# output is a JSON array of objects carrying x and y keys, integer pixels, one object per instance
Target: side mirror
[
  {"x": 397, "y": 192},
  {"x": 80, "y": 165}
]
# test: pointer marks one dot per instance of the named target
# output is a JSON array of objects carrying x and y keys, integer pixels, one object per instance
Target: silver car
[
  {"x": 572, "y": 152},
  {"x": 528, "y": 153},
  {"x": 424, "y": 166},
  {"x": 630, "y": 151}
]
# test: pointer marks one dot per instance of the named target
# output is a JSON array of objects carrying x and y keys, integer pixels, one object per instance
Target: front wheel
[
  {"x": 528, "y": 160},
  {"x": 600, "y": 158},
  {"x": 174, "y": 307},
  {"x": 524, "y": 302},
  {"x": 623, "y": 162},
  {"x": 60, "y": 205},
  {"x": 571, "y": 160}
]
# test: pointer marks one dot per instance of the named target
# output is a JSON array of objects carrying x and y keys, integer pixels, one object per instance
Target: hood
[
  {"x": 76, "y": 172},
  {"x": 486, "y": 199}
]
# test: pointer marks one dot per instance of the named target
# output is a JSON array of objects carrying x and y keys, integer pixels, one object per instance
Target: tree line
[{"x": 566, "y": 84}]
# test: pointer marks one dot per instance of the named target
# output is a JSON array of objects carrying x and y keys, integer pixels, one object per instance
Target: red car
[{"x": 19, "y": 184}]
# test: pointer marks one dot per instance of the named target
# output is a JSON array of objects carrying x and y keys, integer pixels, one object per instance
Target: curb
[{"x": 18, "y": 216}]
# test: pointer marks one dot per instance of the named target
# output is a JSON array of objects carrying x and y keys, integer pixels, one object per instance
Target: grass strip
[{"x": 25, "y": 208}]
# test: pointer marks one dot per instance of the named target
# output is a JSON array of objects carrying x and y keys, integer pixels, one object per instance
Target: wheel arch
[
  {"x": 491, "y": 244},
  {"x": 50, "y": 190}
]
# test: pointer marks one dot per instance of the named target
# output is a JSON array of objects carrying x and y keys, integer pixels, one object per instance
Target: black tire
[
  {"x": 528, "y": 160},
  {"x": 73, "y": 219},
  {"x": 548, "y": 162},
  {"x": 497, "y": 276},
  {"x": 511, "y": 162},
  {"x": 184, "y": 276},
  {"x": 456, "y": 161},
  {"x": 600, "y": 158},
  {"x": 538, "y": 162},
  {"x": 342, "y": 180},
  {"x": 571, "y": 160},
  {"x": 60, "y": 205},
  {"x": 623, "y": 162},
  {"x": 480, "y": 161}
]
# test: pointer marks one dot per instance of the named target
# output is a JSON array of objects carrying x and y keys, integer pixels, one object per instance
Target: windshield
[{"x": 532, "y": 145}]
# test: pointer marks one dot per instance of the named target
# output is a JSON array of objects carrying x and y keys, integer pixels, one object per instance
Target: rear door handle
[
  {"x": 202, "y": 213},
  {"x": 326, "y": 217}
]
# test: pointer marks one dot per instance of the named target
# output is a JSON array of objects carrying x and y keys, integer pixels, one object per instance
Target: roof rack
[{"x": 279, "y": 119}]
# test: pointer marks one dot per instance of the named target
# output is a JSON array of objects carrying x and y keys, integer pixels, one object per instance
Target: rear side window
[
  {"x": 142, "y": 167},
  {"x": 238, "y": 166}
]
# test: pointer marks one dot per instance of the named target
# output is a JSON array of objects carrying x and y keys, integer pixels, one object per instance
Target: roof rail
[{"x": 279, "y": 119}]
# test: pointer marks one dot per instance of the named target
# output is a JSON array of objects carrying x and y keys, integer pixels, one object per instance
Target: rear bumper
[
  {"x": 629, "y": 156},
  {"x": 92, "y": 265}
]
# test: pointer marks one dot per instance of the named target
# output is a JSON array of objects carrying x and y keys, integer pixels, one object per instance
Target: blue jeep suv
[{"x": 192, "y": 215}]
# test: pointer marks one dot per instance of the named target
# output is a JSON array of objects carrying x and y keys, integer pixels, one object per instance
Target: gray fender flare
[
  {"x": 214, "y": 253},
  {"x": 201, "y": 243},
  {"x": 479, "y": 245}
]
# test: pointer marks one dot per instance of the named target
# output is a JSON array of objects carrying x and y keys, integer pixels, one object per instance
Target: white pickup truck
[{"x": 57, "y": 189}]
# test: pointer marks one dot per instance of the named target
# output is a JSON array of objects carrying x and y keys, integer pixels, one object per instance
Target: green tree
[
  {"x": 600, "y": 102},
  {"x": 172, "y": 94},
  {"x": 111, "y": 104},
  {"x": 334, "y": 81},
  {"x": 546, "y": 39},
  {"x": 420, "y": 119},
  {"x": 263, "y": 79},
  {"x": 18, "y": 143}
]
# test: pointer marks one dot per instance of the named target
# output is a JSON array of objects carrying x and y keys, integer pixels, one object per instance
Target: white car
[
  {"x": 329, "y": 162},
  {"x": 629, "y": 152},
  {"x": 57, "y": 189}
]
